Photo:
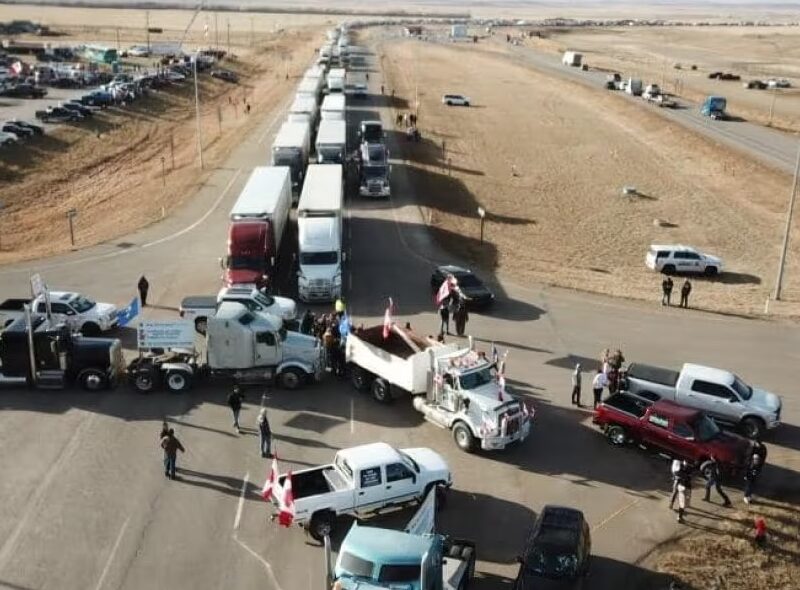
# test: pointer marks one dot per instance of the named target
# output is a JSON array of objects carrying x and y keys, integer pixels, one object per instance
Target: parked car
[
  {"x": 173, "y": 76},
  {"x": 455, "y": 100},
  {"x": 478, "y": 294},
  {"x": 25, "y": 91},
  {"x": 80, "y": 313},
  {"x": 77, "y": 108},
  {"x": 226, "y": 75},
  {"x": 58, "y": 115},
  {"x": 138, "y": 51},
  {"x": 778, "y": 83},
  {"x": 757, "y": 84},
  {"x": 37, "y": 129},
  {"x": 17, "y": 130},
  {"x": 557, "y": 552},
  {"x": 671, "y": 259},
  {"x": 7, "y": 138}
]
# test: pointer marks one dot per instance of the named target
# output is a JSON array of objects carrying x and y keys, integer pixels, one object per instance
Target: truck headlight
[{"x": 337, "y": 279}]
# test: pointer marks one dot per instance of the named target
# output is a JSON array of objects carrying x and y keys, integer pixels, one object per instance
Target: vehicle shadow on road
[{"x": 732, "y": 278}]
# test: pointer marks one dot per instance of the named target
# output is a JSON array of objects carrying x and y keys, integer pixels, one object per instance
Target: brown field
[{"x": 562, "y": 219}]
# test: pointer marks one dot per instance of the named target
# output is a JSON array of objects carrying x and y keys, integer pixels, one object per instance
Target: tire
[
  {"x": 464, "y": 437},
  {"x": 178, "y": 381},
  {"x": 92, "y": 380},
  {"x": 382, "y": 391},
  {"x": 201, "y": 325},
  {"x": 320, "y": 525},
  {"x": 711, "y": 271},
  {"x": 448, "y": 103},
  {"x": 753, "y": 428},
  {"x": 466, "y": 104},
  {"x": 617, "y": 436},
  {"x": 291, "y": 379},
  {"x": 144, "y": 380},
  {"x": 90, "y": 330},
  {"x": 669, "y": 269},
  {"x": 706, "y": 473},
  {"x": 360, "y": 379}
]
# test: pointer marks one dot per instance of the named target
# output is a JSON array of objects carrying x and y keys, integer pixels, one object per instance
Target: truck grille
[
  {"x": 512, "y": 426},
  {"x": 319, "y": 289}
]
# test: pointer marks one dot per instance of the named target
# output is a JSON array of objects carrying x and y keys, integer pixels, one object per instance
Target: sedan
[
  {"x": 225, "y": 75},
  {"x": 17, "y": 130},
  {"x": 455, "y": 100},
  {"x": 36, "y": 129},
  {"x": 478, "y": 295}
]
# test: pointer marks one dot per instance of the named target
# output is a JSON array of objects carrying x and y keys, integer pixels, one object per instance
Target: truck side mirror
[{"x": 344, "y": 256}]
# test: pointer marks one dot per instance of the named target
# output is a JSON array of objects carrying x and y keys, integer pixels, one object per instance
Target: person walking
[
  {"x": 461, "y": 316},
  {"x": 751, "y": 475},
  {"x": 381, "y": 88},
  {"x": 686, "y": 288},
  {"x": 598, "y": 383},
  {"x": 171, "y": 446},
  {"x": 576, "y": 385},
  {"x": 674, "y": 469},
  {"x": 143, "y": 286},
  {"x": 666, "y": 290},
  {"x": 710, "y": 470},
  {"x": 684, "y": 489},
  {"x": 235, "y": 403},
  {"x": 444, "y": 315},
  {"x": 264, "y": 433}
]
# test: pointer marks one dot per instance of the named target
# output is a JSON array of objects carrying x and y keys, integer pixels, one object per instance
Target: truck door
[
  {"x": 370, "y": 492},
  {"x": 655, "y": 430},
  {"x": 62, "y": 313},
  {"x": 267, "y": 351},
  {"x": 401, "y": 483},
  {"x": 712, "y": 398},
  {"x": 681, "y": 439}
]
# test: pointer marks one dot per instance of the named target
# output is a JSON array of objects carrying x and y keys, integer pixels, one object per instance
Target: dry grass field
[{"x": 558, "y": 215}]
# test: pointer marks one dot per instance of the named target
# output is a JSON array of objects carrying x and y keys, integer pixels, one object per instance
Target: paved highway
[{"x": 84, "y": 504}]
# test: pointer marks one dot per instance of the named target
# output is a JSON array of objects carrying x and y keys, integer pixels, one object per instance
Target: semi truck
[
  {"x": 374, "y": 170},
  {"x": 319, "y": 228},
  {"x": 714, "y": 107},
  {"x": 572, "y": 58},
  {"x": 336, "y": 80},
  {"x": 40, "y": 353},
  {"x": 333, "y": 107},
  {"x": 309, "y": 87},
  {"x": 291, "y": 148},
  {"x": 245, "y": 346},
  {"x": 258, "y": 221},
  {"x": 331, "y": 143},
  {"x": 452, "y": 387}
]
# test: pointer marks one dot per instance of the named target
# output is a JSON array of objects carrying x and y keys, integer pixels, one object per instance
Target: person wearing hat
[
  {"x": 576, "y": 385},
  {"x": 265, "y": 433}
]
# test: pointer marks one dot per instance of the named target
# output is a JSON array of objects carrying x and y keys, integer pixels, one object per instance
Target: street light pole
[
  {"x": 70, "y": 216},
  {"x": 787, "y": 231},
  {"x": 197, "y": 110}
]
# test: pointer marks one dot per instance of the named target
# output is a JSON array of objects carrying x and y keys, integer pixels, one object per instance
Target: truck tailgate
[{"x": 199, "y": 302}]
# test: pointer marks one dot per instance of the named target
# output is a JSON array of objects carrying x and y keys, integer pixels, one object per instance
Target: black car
[
  {"x": 17, "y": 130},
  {"x": 557, "y": 552},
  {"x": 25, "y": 91},
  {"x": 36, "y": 129},
  {"x": 225, "y": 75},
  {"x": 78, "y": 108},
  {"x": 478, "y": 294}
]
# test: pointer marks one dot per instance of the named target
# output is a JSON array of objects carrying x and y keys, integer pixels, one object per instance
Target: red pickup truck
[{"x": 682, "y": 433}]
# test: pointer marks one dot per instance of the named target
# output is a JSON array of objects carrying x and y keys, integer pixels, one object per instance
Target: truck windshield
[
  {"x": 706, "y": 429},
  {"x": 246, "y": 262},
  {"x": 355, "y": 566},
  {"x": 374, "y": 172},
  {"x": 409, "y": 461},
  {"x": 399, "y": 573},
  {"x": 552, "y": 561},
  {"x": 475, "y": 379},
  {"x": 319, "y": 257},
  {"x": 286, "y": 157},
  {"x": 330, "y": 153},
  {"x": 743, "y": 389},
  {"x": 81, "y": 304}
]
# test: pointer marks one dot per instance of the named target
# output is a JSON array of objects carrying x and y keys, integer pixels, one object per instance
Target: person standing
[
  {"x": 461, "y": 316},
  {"x": 666, "y": 290},
  {"x": 684, "y": 489},
  {"x": 598, "y": 383},
  {"x": 265, "y": 433},
  {"x": 171, "y": 446},
  {"x": 143, "y": 286},
  {"x": 164, "y": 430},
  {"x": 444, "y": 315},
  {"x": 576, "y": 385},
  {"x": 711, "y": 472},
  {"x": 751, "y": 475},
  {"x": 381, "y": 88},
  {"x": 235, "y": 403},
  {"x": 675, "y": 468},
  {"x": 686, "y": 288}
]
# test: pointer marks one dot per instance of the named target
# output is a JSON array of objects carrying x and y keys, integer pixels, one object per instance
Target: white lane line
[
  {"x": 352, "y": 417},
  {"x": 263, "y": 561},
  {"x": 111, "y": 555},
  {"x": 241, "y": 502}
]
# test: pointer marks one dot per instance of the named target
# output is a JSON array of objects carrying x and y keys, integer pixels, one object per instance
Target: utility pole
[
  {"x": 119, "y": 48},
  {"x": 229, "y": 37},
  {"x": 147, "y": 27},
  {"x": 1, "y": 233},
  {"x": 197, "y": 109},
  {"x": 71, "y": 214},
  {"x": 216, "y": 30},
  {"x": 787, "y": 231}
]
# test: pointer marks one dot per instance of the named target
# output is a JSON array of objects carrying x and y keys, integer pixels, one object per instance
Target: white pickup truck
[
  {"x": 81, "y": 314},
  {"x": 201, "y": 307},
  {"x": 363, "y": 480}
]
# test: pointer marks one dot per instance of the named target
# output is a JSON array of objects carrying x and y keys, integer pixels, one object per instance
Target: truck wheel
[
  {"x": 360, "y": 378},
  {"x": 711, "y": 271},
  {"x": 669, "y": 269},
  {"x": 201, "y": 325},
  {"x": 753, "y": 428},
  {"x": 617, "y": 436},
  {"x": 144, "y": 381},
  {"x": 381, "y": 391},
  {"x": 321, "y": 525},
  {"x": 90, "y": 329},
  {"x": 463, "y": 437},
  {"x": 92, "y": 380},
  {"x": 291, "y": 378},
  {"x": 178, "y": 381}
]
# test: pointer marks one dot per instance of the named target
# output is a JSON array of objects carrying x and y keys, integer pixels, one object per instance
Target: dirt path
[{"x": 548, "y": 159}]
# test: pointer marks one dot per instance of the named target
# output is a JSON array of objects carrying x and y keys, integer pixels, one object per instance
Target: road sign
[
  {"x": 37, "y": 285},
  {"x": 170, "y": 334}
]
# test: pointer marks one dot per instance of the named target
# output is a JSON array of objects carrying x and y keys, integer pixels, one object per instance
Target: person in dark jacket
[
  {"x": 164, "y": 430},
  {"x": 235, "y": 403},
  {"x": 666, "y": 290},
  {"x": 444, "y": 315},
  {"x": 461, "y": 316},
  {"x": 265, "y": 433},
  {"x": 686, "y": 288},
  {"x": 712, "y": 474},
  {"x": 171, "y": 446},
  {"x": 751, "y": 474},
  {"x": 143, "y": 287}
]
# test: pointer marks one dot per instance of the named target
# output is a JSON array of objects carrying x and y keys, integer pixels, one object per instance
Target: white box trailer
[
  {"x": 267, "y": 196},
  {"x": 336, "y": 80},
  {"x": 572, "y": 58},
  {"x": 309, "y": 87},
  {"x": 291, "y": 148},
  {"x": 333, "y": 107},
  {"x": 305, "y": 105},
  {"x": 331, "y": 144}
]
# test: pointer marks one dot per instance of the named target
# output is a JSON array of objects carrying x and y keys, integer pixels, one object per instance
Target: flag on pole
[
  {"x": 126, "y": 314},
  {"x": 387, "y": 319},
  {"x": 286, "y": 514},
  {"x": 501, "y": 387},
  {"x": 16, "y": 67},
  {"x": 445, "y": 289},
  {"x": 495, "y": 355},
  {"x": 272, "y": 479}
]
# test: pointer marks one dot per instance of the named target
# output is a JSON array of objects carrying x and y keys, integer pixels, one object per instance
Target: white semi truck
[
  {"x": 336, "y": 79},
  {"x": 452, "y": 387},
  {"x": 331, "y": 145},
  {"x": 291, "y": 148}
]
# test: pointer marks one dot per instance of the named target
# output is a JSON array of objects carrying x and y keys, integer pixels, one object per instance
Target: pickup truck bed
[
  {"x": 665, "y": 377},
  {"x": 13, "y": 304},
  {"x": 199, "y": 301},
  {"x": 315, "y": 482}
]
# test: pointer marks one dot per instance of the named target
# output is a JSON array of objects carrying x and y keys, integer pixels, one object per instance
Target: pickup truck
[
  {"x": 201, "y": 307},
  {"x": 77, "y": 311},
  {"x": 680, "y": 432},
  {"x": 10, "y": 310},
  {"x": 720, "y": 394},
  {"x": 363, "y": 480}
]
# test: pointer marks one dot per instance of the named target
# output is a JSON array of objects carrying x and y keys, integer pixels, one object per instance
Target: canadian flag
[
  {"x": 387, "y": 319},
  {"x": 501, "y": 386},
  {"x": 286, "y": 514},
  {"x": 16, "y": 67},
  {"x": 445, "y": 289},
  {"x": 272, "y": 478},
  {"x": 525, "y": 411}
]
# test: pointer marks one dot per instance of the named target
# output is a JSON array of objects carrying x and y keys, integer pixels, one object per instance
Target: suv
[
  {"x": 681, "y": 259},
  {"x": 455, "y": 100},
  {"x": 558, "y": 550}
]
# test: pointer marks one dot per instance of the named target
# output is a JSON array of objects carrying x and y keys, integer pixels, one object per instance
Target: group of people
[
  {"x": 408, "y": 121},
  {"x": 455, "y": 306},
  {"x": 683, "y": 473},
  {"x": 666, "y": 292},
  {"x": 608, "y": 375},
  {"x": 332, "y": 329}
]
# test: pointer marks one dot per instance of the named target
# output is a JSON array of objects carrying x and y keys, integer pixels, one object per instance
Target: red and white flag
[
  {"x": 445, "y": 289},
  {"x": 16, "y": 67},
  {"x": 286, "y": 514},
  {"x": 272, "y": 481},
  {"x": 387, "y": 319},
  {"x": 525, "y": 411}
]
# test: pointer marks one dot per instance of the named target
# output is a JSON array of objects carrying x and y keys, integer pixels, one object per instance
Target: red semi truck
[{"x": 258, "y": 220}]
